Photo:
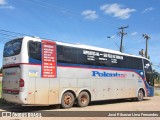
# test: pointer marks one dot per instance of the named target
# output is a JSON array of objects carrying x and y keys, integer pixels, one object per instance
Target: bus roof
[{"x": 88, "y": 47}]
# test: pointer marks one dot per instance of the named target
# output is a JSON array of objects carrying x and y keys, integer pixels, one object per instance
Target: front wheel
[
  {"x": 83, "y": 99},
  {"x": 140, "y": 95},
  {"x": 67, "y": 100}
]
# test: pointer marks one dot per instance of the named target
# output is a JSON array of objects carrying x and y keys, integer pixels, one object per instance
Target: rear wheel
[
  {"x": 140, "y": 95},
  {"x": 83, "y": 99},
  {"x": 67, "y": 100}
]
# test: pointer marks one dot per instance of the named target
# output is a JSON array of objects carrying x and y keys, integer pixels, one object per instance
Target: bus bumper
[{"x": 17, "y": 99}]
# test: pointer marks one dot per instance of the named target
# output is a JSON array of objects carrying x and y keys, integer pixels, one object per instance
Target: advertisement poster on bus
[{"x": 48, "y": 59}]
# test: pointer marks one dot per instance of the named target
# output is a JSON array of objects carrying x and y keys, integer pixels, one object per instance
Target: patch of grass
[
  {"x": 157, "y": 94},
  {"x": 0, "y": 93},
  {"x": 1, "y": 102},
  {"x": 0, "y": 88}
]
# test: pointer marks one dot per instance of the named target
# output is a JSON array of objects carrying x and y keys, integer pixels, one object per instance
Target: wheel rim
[
  {"x": 140, "y": 95},
  {"x": 68, "y": 99},
  {"x": 84, "y": 99}
]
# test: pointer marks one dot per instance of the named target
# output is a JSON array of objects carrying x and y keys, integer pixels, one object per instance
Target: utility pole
[
  {"x": 122, "y": 34},
  {"x": 147, "y": 38}
]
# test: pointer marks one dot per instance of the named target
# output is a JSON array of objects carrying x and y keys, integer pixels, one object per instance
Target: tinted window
[
  {"x": 108, "y": 59},
  {"x": 34, "y": 49},
  {"x": 85, "y": 59},
  {"x": 131, "y": 62},
  {"x": 91, "y": 57},
  {"x": 66, "y": 54},
  {"x": 12, "y": 48}
]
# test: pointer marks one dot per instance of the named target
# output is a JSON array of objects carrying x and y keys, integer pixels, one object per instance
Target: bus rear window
[{"x": 12, "y": 48}]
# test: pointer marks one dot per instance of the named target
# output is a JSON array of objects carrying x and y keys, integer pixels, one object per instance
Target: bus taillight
[{"x": 21, "y": 83}]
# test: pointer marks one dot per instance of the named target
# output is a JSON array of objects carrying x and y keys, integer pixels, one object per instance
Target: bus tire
[
  {"x": 140, "y": 95},
  {"x": 83, "y": 99},
  {"x": 67, "y": 100}
]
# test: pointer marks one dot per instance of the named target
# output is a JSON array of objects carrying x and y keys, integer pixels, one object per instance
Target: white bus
[{"x": 43, "y": 72}]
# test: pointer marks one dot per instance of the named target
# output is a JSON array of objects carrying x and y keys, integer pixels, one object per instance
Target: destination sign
[{"x": 48, "y": 59}]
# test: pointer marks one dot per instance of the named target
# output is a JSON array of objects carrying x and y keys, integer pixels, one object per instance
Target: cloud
[
  {"x": 89, "y": 14},
  {"x": 134, "y": 33},
  {"x": 117, "y": 10},
  {"x": 3, "y": 2},
  {"x": 5, "y": 5},
  {"x": 148, "y": 9}
]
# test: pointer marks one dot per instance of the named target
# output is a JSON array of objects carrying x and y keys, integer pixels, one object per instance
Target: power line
[
  {"x": 6, "y": 34},
  {"x": 12, "y": 35},
  {"x": 72, "y": 12},
  {"x": 13, "y": 32},
  {"x": 140, "y": 48},
  {"x": 154, "y": 50},
  {"x": 56, "y": 6},
  {"x": 156, "y": 65}
]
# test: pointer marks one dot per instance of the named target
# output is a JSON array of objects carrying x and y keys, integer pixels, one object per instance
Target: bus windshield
[
  {"x": 12, "y": 48},
  {"x": 148, "y": 72}
]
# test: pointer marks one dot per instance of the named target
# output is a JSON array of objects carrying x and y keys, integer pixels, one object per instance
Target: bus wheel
[
  {"x": 67, "y": 100},
  {"x": 83, "y": 99},
  {"x": 140, "y": 95}
]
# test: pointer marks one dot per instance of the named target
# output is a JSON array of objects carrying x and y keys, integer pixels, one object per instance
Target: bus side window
[
  {"x": 83, "y": 59},
  {"x": 34, "y": 50},
  {"x": 131, "y": 63},
  {"x": 66, "y": 54}
]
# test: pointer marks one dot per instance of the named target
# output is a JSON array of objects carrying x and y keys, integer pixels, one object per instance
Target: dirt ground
[{"x": 149, "y": 104}]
